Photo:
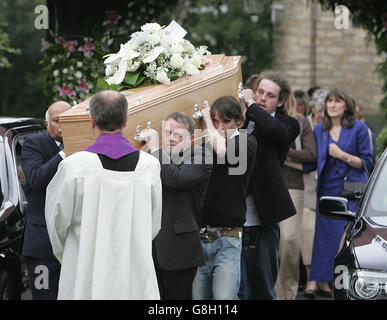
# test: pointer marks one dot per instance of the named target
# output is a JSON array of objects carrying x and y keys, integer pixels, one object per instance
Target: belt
[{"x": 212, "y": 233}]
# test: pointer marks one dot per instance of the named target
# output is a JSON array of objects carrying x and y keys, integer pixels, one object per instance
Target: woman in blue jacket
[{"x": 342, "y": 144}]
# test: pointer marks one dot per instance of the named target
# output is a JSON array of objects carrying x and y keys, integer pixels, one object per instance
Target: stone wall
[{"x": 310, "y": 51}]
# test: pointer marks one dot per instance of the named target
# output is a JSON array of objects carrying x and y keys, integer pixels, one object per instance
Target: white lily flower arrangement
[{"x": 152, "y": 56}]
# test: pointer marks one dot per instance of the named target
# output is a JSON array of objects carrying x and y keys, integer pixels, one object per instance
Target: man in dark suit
[
  {"x": 41, "y": 155},
  {"x": 184, "y": 175},
  {"x": 268, "y": 199}
]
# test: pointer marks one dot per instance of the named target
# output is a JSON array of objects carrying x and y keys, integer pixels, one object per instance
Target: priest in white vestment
[{"x": 103, "y": 209}]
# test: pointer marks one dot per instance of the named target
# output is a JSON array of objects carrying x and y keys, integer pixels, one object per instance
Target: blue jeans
[
  {"x": 259, "y": 262},
  {"x": 219, "y": 278}
]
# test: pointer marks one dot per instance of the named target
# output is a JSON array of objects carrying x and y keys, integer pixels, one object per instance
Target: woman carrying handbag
[{"x": 342, "y": 148}]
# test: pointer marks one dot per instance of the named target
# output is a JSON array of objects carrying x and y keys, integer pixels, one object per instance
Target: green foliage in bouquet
[{"x": 153, "y": 55}]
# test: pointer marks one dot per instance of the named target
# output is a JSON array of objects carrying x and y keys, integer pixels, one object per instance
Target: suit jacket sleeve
[
  {"x": 37, "y": 169},
  {"x": 279, "y": 132},
  {"x": 156, "y": 200},
  {"x": 59, "y": 208},
  {"x": 309, "y": 151},
  {"x": 184, "y": 175}
]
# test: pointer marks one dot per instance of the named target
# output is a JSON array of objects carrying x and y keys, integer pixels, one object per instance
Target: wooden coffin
[{"x": 154, "y": 103}]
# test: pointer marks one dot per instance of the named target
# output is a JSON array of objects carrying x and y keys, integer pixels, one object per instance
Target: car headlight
[{"x": 368, "y": 284}]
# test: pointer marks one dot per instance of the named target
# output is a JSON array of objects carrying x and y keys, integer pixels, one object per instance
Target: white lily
[
  {"x": 153, "y": 55},
  {"x": 196, "y": 59},
  {"x": 132, "y": 65},
  {"x": 162, "y": 77},
  {"x": 151, "y": 27},
  {"x": 119, "y": 75},
  {"x": 126, "y": 52},
  {"x": 189, "y": 68}
]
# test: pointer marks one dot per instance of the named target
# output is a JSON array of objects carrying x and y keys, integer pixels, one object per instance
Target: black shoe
[
  {"x": 310, "y": 294},
  {"x": 325, "y": 294}
]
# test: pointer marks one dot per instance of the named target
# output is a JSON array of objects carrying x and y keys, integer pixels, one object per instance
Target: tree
[
  {"x": 21, "y": 85},
  {"x": 5, "y": 48},
  {"x": 224, "y": 27}
]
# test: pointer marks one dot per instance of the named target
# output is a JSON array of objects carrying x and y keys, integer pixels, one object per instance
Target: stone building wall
[{"x": 310, "y": 51}]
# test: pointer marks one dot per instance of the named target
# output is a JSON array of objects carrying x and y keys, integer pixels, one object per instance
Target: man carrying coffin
[
  {"x": 40, "y": 157},
  {"x": 103, "y": 209},
  {"x": 184, "y": 175}
]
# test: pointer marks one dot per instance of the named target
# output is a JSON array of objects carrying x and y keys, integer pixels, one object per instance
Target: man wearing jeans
[
  {"x": 268, "y": 200},
  {"x": 225, "y": 206}
]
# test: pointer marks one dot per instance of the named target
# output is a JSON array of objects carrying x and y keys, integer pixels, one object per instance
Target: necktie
[{"x": 61, "y": 146}]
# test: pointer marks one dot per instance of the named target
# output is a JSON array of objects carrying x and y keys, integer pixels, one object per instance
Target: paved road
[{"x": 300, "y": 296}]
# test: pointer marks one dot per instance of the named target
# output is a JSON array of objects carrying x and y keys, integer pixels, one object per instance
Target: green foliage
[
  {"x": 5, "y": 48},
  {"x": 21, "y": 92},
  {"x": 224, "y": 27},
  {"x": 372, "y": 16},
  {"x": 381, "y": 141},
  {"x": 71, "y": 68}
]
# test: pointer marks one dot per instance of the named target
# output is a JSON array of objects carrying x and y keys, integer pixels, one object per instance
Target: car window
[
  {"x": 1, "y": 194},
  {"x": 377, "y": 203},
  {"x": 20, "y": 173}
]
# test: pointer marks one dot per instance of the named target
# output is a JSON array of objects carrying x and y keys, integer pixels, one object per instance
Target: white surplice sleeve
[
  {"x": 156, "y": 200},
  {"x": 60, "y": 197}
]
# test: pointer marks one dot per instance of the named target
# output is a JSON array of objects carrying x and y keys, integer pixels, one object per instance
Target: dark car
[
  {"x": 13, "y": 202},
  {"x": 360, "y": 268}
]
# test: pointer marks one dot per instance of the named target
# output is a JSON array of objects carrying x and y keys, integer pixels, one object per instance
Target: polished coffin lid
[{"x": 155, "y": 102}]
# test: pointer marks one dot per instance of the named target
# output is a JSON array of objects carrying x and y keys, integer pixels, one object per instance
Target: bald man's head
[
  {"x": 52, "y": 119},
  {"x": 109, "y": 110}
]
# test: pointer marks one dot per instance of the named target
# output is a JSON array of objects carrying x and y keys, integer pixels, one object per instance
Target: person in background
[
  {"x": 311, "y": 90},
  {"x": 310, "y": 181},
  {"x": 302, "y": 100},
  {"x": 359, "y": 116},
  {"x": 302, "y": 150},
  {"x": 40, "y": 157},
  {"x": 343, "y": 149},
  {"x": 251, "y": 82}
]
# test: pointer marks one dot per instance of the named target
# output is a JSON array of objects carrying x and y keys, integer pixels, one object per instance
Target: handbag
[{"x": 353, "y": 190}]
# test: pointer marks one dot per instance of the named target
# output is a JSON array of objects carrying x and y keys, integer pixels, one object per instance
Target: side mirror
[{"x": 335, "y": 208}]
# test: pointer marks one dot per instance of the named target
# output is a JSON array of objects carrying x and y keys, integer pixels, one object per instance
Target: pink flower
[
  {"x": 60, "y": 40},
  {"x": 45, "y": 44},
  {"x": 112, "y": 17},
  {"x": 70, "y": 45},
  {"x": 87, "y": 48},
  {"x": 82, "y": 85},
  {"x": 66, "y": 91}
]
